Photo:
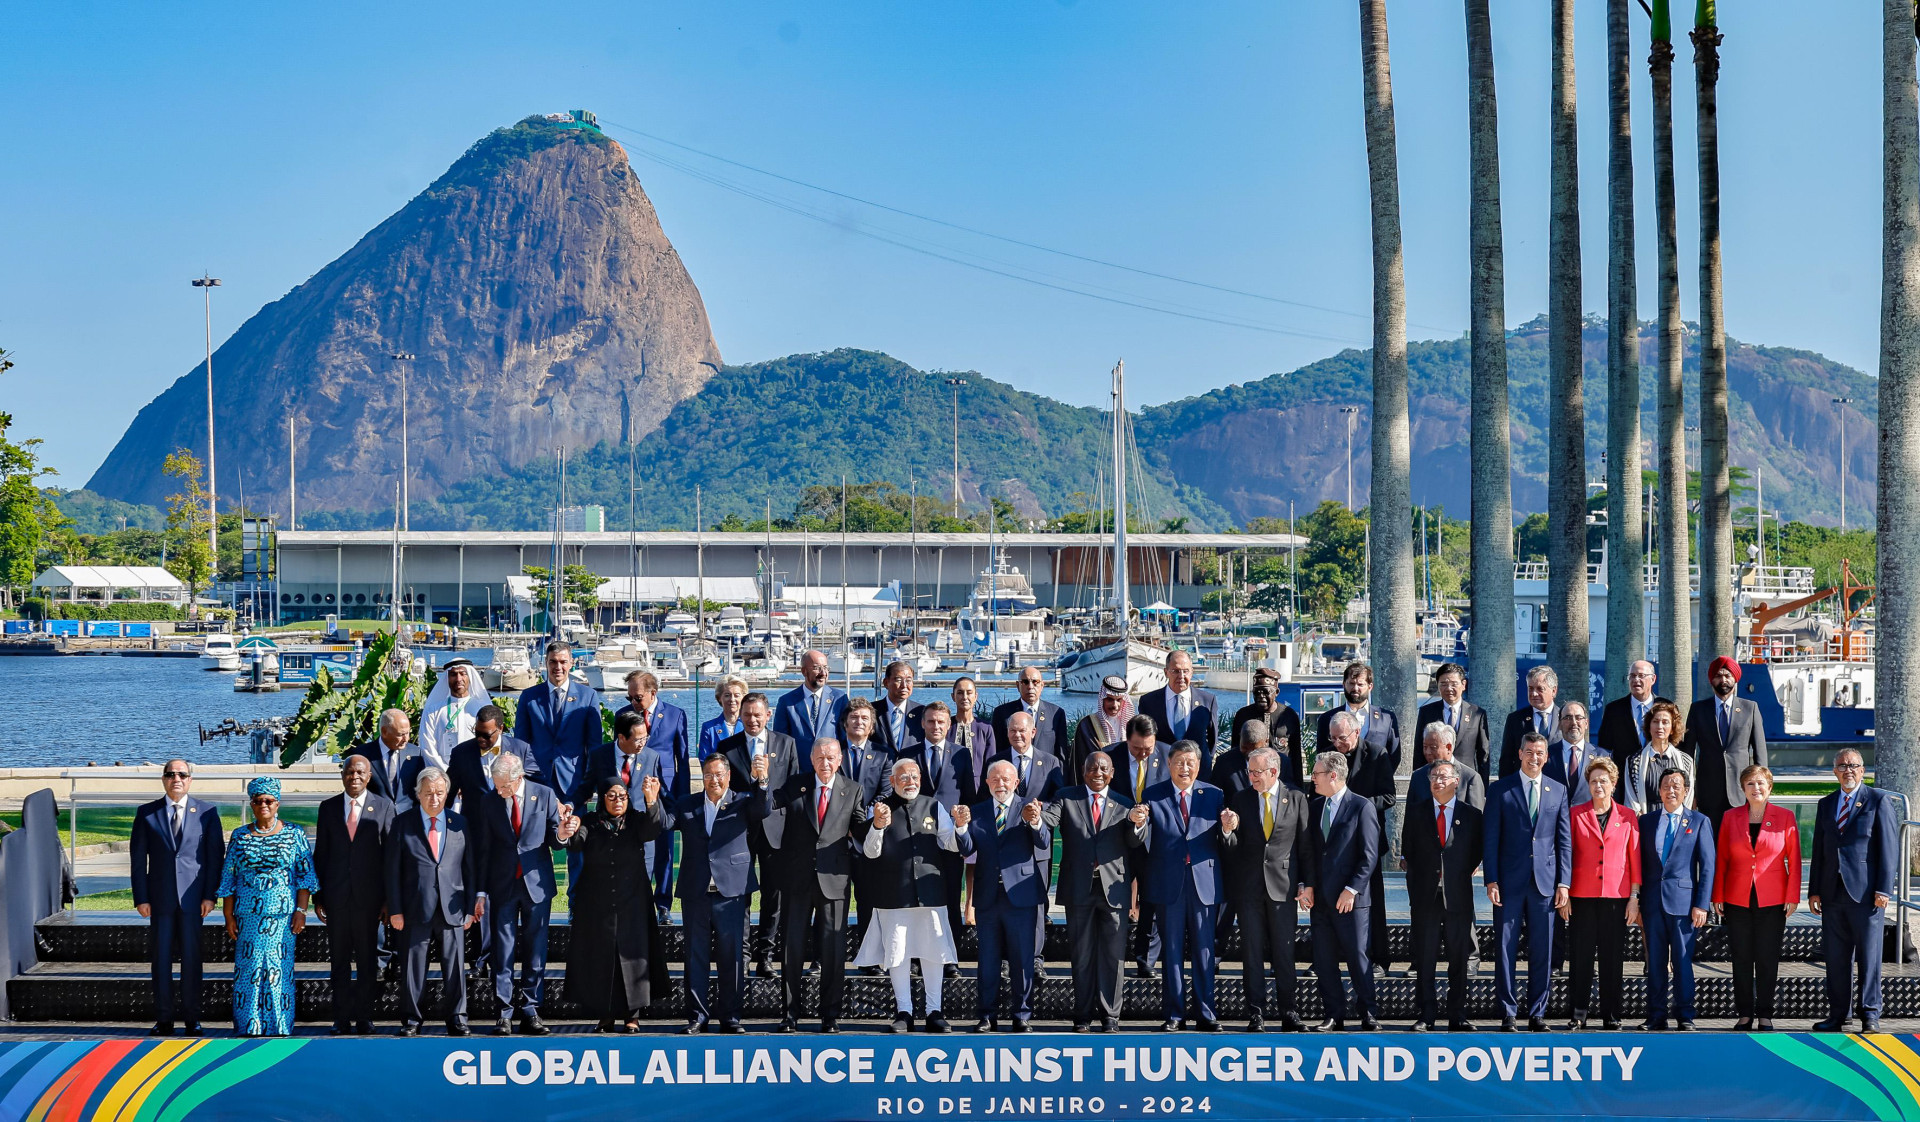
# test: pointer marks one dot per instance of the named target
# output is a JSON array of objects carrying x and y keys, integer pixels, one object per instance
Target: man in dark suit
[
  {"x": 1472, "y": 740},
  {"x": 1676, "y": 890},
  {"x": 470, "y": 767},
  {"x": 1142, "y": 764},
  {"x": 1049, "y": 720},
  {"x": 814, "y": 709},
  {"x": 1342, "y": 848},
  {"x": 1263, "y": 866},
  {"x": 177, "y": 853},
  {"x": 1182, "y": 711},
  {"x": 627, "y": 760},
  {"x": 559, "y": 719},
  {"x": 896, "y": 717},
  {"x": 863, "y": 758},
  {"x": 1180, "y": 824},
  {"x": 1568, "y": 757},
  {"x": 716, "y": 878},
  {"x": 1541, "y": 714},
  {"x": 433, "y": 895},
  {"x": 1623, "y": 723},
  {"x": 396, "y": 763},
  {"x": 946, "y": 773},
  {"x": 1850, "y": 883},
  {"x": 1529, "y": 870},
  {"x": 1230, "y": 767},
  {"x": 1436, "y": 744},
  {"x": 1012, "y": 848},
  {"x": 1040, "y": 775},
  {"x": 756, "y": 739},
  {"x": 518, "y": 832},
  {"x": 1379, "y": 729},
  {"x": 826, "y": 818},
  {"x": 349, "y": 860},
  {"x": 1444, "y": 842},
  {"x": 667, "y": 735},
  {"x": 1283, "y": 724},
  {"x": 1724, "y": 737},
  {"x": 1370, "y": 775},
  {"x": 1096, "y": 841}
]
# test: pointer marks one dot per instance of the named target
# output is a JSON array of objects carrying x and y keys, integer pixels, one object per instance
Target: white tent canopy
[{"x": 112, "y": 582}]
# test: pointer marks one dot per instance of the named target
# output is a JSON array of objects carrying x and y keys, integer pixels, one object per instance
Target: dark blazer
[
  {"x": 980, "y": 744},
  {"x": 603, "y": 768},
  {"x": 784, "y": 761},
  {"x": 722, "y": 858},
  {"x": 1537, "y": 853},
  {"x": 1203, "y": 722},
  {"x": 790, "y": 714},
  {"x": 1685, "y": 880},
  {"x": 1345, "y": 856},
  {"x": 883, "y": 724},
  {"x": 1382, "y": 733},
  {"x": 1447, "y": 871},
  {"x": 560, "y": 728},
  {"x": 1259, "y": 868},
  {"x": 468, "y": 774},
  {"x": 1370, "y": 774},
  {"x": 1556, "y": 768},
  {"x": 820, "y": 852},
  {"x": 869, "y": 766},
  {"x": 530, "y": 850},
  {"x": 1472, "y": 791},
  {"x": 1011, "y": 865},
  {"x": 1089, "y": 850},
  {"x": 411, "y": 764},
  {"x": 1746, "y": 745},
  {"x": 352, "y": 873},
  {"x": 1519, "y": 724},
  {"x": 1472, "y": 743},
  {"x": 667, "y": 736},
  {"x": 420, "y": 888},
  {"x": 1044, "y": 775},
  {"x": 1049, "y": 729},
  {"x": 1288, "y": 720},
  {"x": 1855, "y": 864},
  {"x": 1618, "y": 733},
  {"x": 180, "y": 877},
  {"x": 1182, "y": 857},
  {"x": 1123, "y": 765},
  {"x": 954, "y": 784}
]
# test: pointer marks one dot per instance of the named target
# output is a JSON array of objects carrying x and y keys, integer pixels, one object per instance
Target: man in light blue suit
[
  {"x": 1528, "y": 870},
  {"x": 1180, "y": 826},
  {"x": 1676, "y": 889},
  {"x": 815, "y": 710},
  {"x": 560, "y": 721}
]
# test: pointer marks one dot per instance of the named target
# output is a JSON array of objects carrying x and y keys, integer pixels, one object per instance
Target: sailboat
[{"x": 1111, "y": 650}]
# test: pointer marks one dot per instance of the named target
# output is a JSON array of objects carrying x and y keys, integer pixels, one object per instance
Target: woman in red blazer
[
  {"x": 1755, "y": 889},
  {"x": 1606, "y": 871}
]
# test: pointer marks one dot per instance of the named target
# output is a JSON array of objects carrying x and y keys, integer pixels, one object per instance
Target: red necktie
[
  {"x": 518, "y": 871},
  {"x": 626, "y": 773},
  {"x": 1440, "y": 824},
  {"x": 353, "y": 819},
  {"x": 825, "y": 791},
  {"x": 1096, "y": 812},
  {"x": 1186, "y": 817},
  {"x": 433, "y": 836}
]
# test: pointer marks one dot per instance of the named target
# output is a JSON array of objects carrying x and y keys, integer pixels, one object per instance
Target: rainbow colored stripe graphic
[
  {"x": 1881, "y": 1070},
  {"x": 127, "y": 1080}
]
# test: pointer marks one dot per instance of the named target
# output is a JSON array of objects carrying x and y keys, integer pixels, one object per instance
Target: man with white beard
[{"x": 907, "y": 843}]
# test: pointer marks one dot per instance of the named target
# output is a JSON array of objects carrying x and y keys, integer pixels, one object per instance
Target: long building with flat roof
[{"x": 444, "y": 575}]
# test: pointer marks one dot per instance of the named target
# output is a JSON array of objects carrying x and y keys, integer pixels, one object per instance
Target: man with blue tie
[
  {"x": 815, "y": 709},
  {"x": 560, "y": 721},
  {"x": 177, "y": 853},
  {"x": 1676, "y": 889},
  {"x": 1013, "y": 851},
  {"x": 897, "y": 717},
  {"x": 866, "y": 761},
  {"x": 716, "y": 878},
  {"x": 1528, "y": 872},
  {"x": 1336, "y": 886},
  {"x": 1183, "y": 711},
  {"x": 1180, "y": 825},
  {"x": 1039, "y": 777},
  {"x": 518, "y": 831},
  {"x": 1850, "y": 881}
]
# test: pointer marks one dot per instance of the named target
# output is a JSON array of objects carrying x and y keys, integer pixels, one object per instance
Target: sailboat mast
[{"x": 1120, "y": 612}]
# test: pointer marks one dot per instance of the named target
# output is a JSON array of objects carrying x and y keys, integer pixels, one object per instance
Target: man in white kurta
[{"x": 910, "y": 883}]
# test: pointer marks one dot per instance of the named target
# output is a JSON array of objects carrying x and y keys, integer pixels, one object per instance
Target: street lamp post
[
  {"x": 956, "y": 383},
  {"x": 207, "y": 284},
  {"x": 1840, "y": 408},
  {"x": 1353, "y": 413},
  {"x": 400, "y": 359}
]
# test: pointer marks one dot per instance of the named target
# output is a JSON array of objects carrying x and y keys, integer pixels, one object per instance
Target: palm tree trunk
[
  {"x": 1670, "y": 401},
  {"x": 1626, "y": 541},
  {"x": 1716, "y": 500},
  {"x": 1566, "y": 407},
  {"x": 1897, "y": 510},
  {"x": 1390, "y": 564},
  {"x": 1492, "y": 449}
]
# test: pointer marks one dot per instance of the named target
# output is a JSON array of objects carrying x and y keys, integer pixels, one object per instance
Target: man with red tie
[{"x": 1180, "y": 824}]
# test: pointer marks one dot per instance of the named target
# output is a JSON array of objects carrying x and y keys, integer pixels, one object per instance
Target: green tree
[
  {"x": 187, "y": 554},
  {"x": 582, "y": 586},
  {"x": 27, "y": 516}
]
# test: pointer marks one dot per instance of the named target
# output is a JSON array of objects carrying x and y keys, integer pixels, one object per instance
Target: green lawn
[{"x": 115, "y": 823}]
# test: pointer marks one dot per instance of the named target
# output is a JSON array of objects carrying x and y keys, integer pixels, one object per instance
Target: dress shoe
[
  {"x": 937, "y": 1021},
  {"x": 810, "y": 970},
  {"x": 1331, "y": 1024},
  {"x": 364, "y": 1028},
  {"x": 534, "y": 1026},
  {"x": 1656, "y": 1024},
  {"x": 788, "y": 1024},
  {"x": 1831, "y": 1024},
  {"x": 695, "y": 1027},
  {"x": 1537, "y": 1024},
  {"x": 1577, "y": 1022},
  {"x": 1611, "y": 1024},
  {"x": 1257, "y": 1023},
  {"x": 1687, "y": 1026},
  {"x": 1022, "y": 1024},
  {"x": 732, "y": 1027},
  {"x": 1869, "y": 1024},
  {"x": 1766, "y": 1024},
  {"x": 1422, "y": 1026},
  {"x": 605, "y": 1025},
  {"x": 951, "y": 971},
  {"x": 1110, "y": 1024},
  {"x": 873, "y": 971},
  {"x": 191, "y": 1028},
  {"x": 1744, "y": 1024},
  {"x": 762, "y": 968},
  {"x": 340, "y": 1030},
  {"x": 1507, "y": 1025},
  {"x": 409, "y": 1030},
  {"x": 903, "y": 1022},
  {"x": 1291, "y": 1023},
  {"x": 458, "y": 1028},
  {"x": 1039, "y": 972},
  {"x": 161, "y": 1028},
  {"x": 1462, "y": 1026},
  {"x": 503, "y": 1026},
  {"x": 1369, "y": 1023},
  {"x": 1172, "y": 1024},
  {"x": 830, "y": 1025},
  {"x": 986, "y": 1024},
  {"x": 1083, "y": 1026},
  {"x": 1140, "y": 971}
]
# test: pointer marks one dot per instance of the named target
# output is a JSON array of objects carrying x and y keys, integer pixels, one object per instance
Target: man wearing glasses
[
  {"x": 177, "y": 850},
  {"x": 1049, "y": 720},
  {"x": 1850, "y": 878}
]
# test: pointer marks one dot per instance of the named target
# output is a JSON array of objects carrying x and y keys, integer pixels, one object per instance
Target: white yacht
[{"x": 220, "y": 653}]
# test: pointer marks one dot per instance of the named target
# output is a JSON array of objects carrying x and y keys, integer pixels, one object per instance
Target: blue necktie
[
  {"x": 1673, "y": 829},
  {"x": 1725, "y": 733}
]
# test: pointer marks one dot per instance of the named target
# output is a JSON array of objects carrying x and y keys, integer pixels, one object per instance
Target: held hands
[
  {"x": 1562, "y": 898},
  {"x": 321, "y": 912},
  {"x": 1030, "y": 814},
  {"x": 961, "y": 816},
  {"x": 1813, "y": 905},
  {"x": 1345, "y": 903},
  {"x": 760, "y": 768},
  {"x": 882, "y": 815},
  {"x": 1138, "y": 815},
  {"x": 233, "y": 929},
  {"x": 568, "y": 826},
  {"x": 1881, "y": 900},
  {"x": 650, "y": 790},
  {"x": 1229, "y": 821}
]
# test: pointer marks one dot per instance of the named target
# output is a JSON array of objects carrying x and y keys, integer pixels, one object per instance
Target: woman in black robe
[{"x": 614, "y": 935}]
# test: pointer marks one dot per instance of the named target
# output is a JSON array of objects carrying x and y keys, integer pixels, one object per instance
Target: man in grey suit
[
  {"x": 1472, "y": 740},
  {"x": 1096, "y": 843},
  {"x": 1263, "y": 869},
  {"x": 1437, "y": 743},
  {"x": 1569, "y": 756},
  {"x": 1724, "y": 737},
  {"x": 433, "y": 892}
]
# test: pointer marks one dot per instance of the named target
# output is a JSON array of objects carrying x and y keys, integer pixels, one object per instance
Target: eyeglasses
[
  {"x": 1850, "y": 767},
  {"x": 264, "y": 800},
  {"x": 176, "y": 775}
]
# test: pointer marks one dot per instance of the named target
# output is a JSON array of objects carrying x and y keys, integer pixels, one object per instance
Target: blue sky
[{"x": 1218, "y": 142}]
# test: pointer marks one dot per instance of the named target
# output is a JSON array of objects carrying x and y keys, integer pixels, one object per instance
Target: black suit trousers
[
  {"x": 1599, "y": 927},
  {"x": 1341, "y": 937},
  {"x": 451, "y": 941},
  {"x": 1433, "y": 925},
  {"x": 353, "y": 938},
  {"x": 1267, "y": 929},
  {"x": 812, "y": 918},
  {"x": 767, "y": 933},
  {"x": 1754, "y": 935},
  {"x": 175, "y": 933},
  {"x": 715, "y": 923},
  {"x": 1097, "y": 935}
]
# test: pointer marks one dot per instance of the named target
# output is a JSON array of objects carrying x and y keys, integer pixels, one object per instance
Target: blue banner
[{"x": 1043, "y": 1075}]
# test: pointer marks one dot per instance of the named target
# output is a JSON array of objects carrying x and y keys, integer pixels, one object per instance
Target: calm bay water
[{"x": 71, "y": 711}]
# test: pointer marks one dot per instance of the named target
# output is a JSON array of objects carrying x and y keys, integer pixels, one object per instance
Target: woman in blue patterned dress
[{"x": 263, "y": 892}]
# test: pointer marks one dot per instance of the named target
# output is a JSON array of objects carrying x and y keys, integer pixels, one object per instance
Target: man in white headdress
[
  {"x": 910, "y": 878},
  {"x": 447, "y": 718}
]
